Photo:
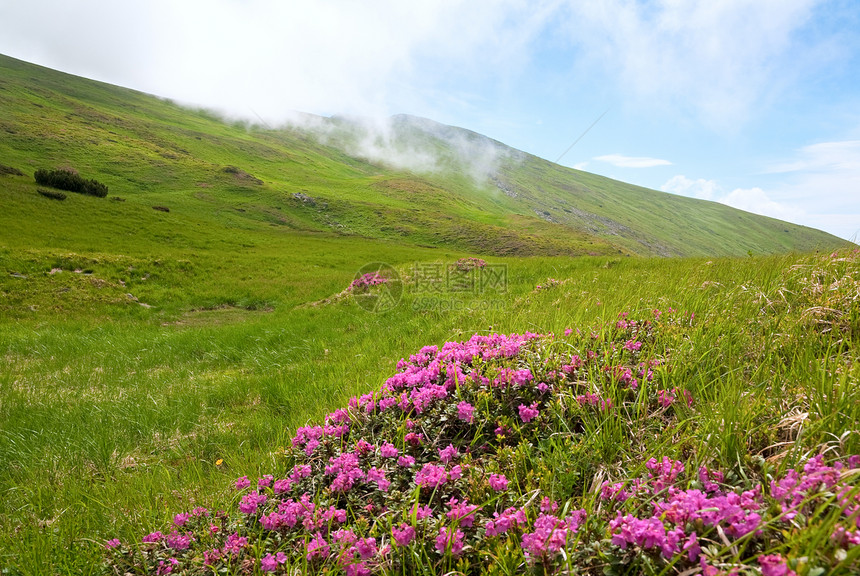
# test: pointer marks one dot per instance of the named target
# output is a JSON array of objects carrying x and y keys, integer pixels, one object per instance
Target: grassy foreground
[{"x": 117, "y": 417}]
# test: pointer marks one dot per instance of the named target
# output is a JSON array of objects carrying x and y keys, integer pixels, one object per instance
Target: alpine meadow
[{"x": 344, "y": 346}]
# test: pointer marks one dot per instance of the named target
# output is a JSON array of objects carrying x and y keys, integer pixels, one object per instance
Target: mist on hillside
[{"x": 406, "y": 142}]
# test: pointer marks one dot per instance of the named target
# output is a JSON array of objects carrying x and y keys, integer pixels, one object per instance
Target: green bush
[
  {"x": 71, "y": 181},
  {"x": 10, "y": 170},
  {"x": 53, "y": 194}
]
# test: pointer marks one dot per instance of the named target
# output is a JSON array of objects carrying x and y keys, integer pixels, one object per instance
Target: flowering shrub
[
  {"x": 447, "y": 468},
  {"x": 466, "y": 264},
  {"x": 364, "y": 282}
]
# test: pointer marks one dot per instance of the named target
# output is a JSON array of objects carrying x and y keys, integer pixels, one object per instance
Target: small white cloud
[
  {"x": 699, "y": 188},
  {"x": 755, "y": 200},
  {"x": 580, "y": 165},
  {"x": 632, "y": 161}
]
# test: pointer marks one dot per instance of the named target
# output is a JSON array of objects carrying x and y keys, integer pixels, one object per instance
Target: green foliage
[
  {"x": 53, "y": 194},
  {"x": 71, "y": 181},
  {"x": 9, "y": 170}
]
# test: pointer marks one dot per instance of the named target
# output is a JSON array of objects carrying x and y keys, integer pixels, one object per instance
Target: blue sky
[{"x": 752, "y": 103}]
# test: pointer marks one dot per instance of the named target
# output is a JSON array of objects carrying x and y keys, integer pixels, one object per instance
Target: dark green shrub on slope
[{"x": 68, "y": 180}]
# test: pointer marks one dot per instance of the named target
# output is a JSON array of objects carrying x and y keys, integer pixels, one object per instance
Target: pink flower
[
  {"x": 466, "y": 412},
  {"x": 774, "y": 565},
  {"x": 448, "y": 454},
  {"x": 269, "y": 563},
  {"x": 455, "y": 473},
  {"x": 265, "y": 481},
  {"x": 242, "y": 483},
  {"x": 378, "y": 476},
  {"x": 179, "y": 541},
  {"x": 528, "y": 413},
  {"x": 549, "y": 537},
  {"x": 166, "y": 567},
  {"x": 282, "y": 485},
  {"x": 498, "y": 482},
  {"x": 235, "y": 543},
  {"x": 388, "y": 450},
  {"x": 211, "y": 556},
  {"x": 632, "y": 346},
  {"x": 692, "y": 548},
  {"x": 462, "y": 512},
  {"x": 665, "y": 398},
  {"x": 153, "y": 537},
  {"x": 406, "y": 461},
  {"x": 422, "y": 512},
  {"x": 504, "y": 522},
  {"x": 366, "y": 547},
  {"x": 403, "y": 535},
  {"x": 250, "y": 502},
  {"x": 450, "y": 540},
  {"x": 431, "y": 476},
  {"x": 111, "y": 544},
  {"x": 318, "y": 547},
  {"x": 180, "y": 519}
]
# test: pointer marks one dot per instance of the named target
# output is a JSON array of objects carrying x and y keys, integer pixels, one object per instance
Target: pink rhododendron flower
[
  {"x": 180, "y": 519},
  {"x": 431, "y": 476},
  {"x": 448, "y": 454},
  {"x": 166, "y": 567},
  {"x": 528, "y": 413},
  {"x": 265, "y": 481},
  {"x": 498, "y": 482},
  {"x": 270, "y": 562},
  {"x": 318, "y": 547},
  {"x": 774, "y": 565},
  {"x": 466, "y": 412},
  {"x": 421, "y": 512},
  {"x": 366, "y": 547},
  {"x": 403, "y": 535},
  {"x": 450, "y": 540},
  {"x": 242, "y": 483},
  {"x": 462, "y": 511}
]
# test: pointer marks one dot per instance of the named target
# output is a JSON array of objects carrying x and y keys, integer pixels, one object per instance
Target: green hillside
[{"x": 472, "y": 193}]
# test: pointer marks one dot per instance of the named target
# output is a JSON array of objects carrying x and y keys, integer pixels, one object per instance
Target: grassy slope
[{"x": 152, "y": 152}]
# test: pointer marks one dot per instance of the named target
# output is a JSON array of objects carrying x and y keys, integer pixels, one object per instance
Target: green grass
[{"x": 114, "y": 416}]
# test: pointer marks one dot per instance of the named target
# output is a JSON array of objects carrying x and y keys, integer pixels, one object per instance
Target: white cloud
[
  {"x": 699, "y": 188},
  {"x": 632, "y": 161},
  {"x": 755, "y": 200},
  {"x": 270, "y": 57}
]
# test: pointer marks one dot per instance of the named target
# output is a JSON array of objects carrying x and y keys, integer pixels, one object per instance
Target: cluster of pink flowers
[
  {"x": 365, "y": 281},
  {"x": 470, "y": 263},
  {"x": 408, "y": 472},
  {"x": 550, "y": 534}
]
